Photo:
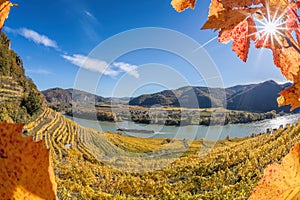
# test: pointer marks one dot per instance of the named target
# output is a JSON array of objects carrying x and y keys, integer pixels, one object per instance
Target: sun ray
[{"x": 271, "y": 26}]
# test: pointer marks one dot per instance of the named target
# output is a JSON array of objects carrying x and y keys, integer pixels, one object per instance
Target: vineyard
[
  {"x": 93, "y": 165},
  {"x": 58, "y": 132},
  {"x": 9, "y": 89},
  {"x": 90, "y": 164}
]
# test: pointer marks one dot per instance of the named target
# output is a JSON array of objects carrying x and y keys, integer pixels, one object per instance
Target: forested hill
[
  {"x": 20, "y": 101},
  {"x": 259, "y": 97},
  {"x": 65, "y": 96}
]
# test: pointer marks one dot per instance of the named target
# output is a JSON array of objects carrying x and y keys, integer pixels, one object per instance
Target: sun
[{"x": 271, "y": 27}]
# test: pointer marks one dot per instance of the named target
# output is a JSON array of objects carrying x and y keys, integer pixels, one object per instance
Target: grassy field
[{"x": 92, "y": 165}]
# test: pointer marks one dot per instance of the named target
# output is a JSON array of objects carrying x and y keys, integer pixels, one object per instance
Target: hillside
[
  {"x": 20, "y": 100},
  {"x": 89, "y": 164},
  {"x": 103, "y": 110},
  {"x": 65, "y": 96},
  {"x": 259, "y": 97}
]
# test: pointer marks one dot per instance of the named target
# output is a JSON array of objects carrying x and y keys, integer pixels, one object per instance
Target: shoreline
[{"x": 176, "y": 123}]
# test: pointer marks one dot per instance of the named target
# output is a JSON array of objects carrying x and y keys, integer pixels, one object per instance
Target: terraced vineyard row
[
  {"x": 58, "y": 132},
  {"x": 229, "y": 171},
  {"x": 9, "y": 89},
  {"x": 99, "y": 165}
]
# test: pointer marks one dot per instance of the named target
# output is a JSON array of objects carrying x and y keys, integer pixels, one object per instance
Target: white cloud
[
  {"x": 33, "y": 36},
  {"x": 128, "y": 68},
  {"x": 91, "y": 64},
  {"x": 101, "y": 66}
]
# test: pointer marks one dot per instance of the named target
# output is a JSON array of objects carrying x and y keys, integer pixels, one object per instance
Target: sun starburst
[{"x": 271, "y": 27}]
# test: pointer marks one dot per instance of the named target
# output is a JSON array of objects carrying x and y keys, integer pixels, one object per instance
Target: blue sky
[{"x": 55, "y": 37}]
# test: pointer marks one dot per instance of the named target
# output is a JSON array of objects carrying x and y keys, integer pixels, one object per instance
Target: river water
[{"x": 192, "y": 132}]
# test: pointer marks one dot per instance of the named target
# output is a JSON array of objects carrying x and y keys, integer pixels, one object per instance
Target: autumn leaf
[
  {"x": 291, "y": 95},
  {"x": 4, "y": 11},
  {"x": 232, "y": 4},
  {"x": 288, "y": 60},
  {"x": 215, "y": 7},
  {"x": 180, "y": 5},
  {"x": 241, "y": 36},
  {"x": 225, "y": 19},
  {"x": 276, "y": 5},
  {"x": 298, "y": 33},
  {"x": 280, "y": 181},
  {"x": 292, "y": 20},
  {"x": 255, "y": 2},
  {"x": 234, "y": 20},
  {"x": 25, "y": 170}
]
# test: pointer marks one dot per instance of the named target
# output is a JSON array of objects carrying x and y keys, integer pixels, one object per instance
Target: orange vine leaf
[
  {"x": 291, "y": 95},
  {"x": 288, "y": 60},
  {"x": 4, "y": 11},
  {"x": 180, "y": 5},
  {"x": 25, "y": 170},
  {"x": 280, "y": 181},
  {"x": 225, "y": 19},
  {"x": 232, "y": 4},
  {"x": 276, "y": 27},
  {"x": 241, "y": 36},
  {"x": 215, "y": 7}
]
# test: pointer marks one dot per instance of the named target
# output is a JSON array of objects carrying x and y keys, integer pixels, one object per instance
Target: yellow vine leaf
[
  {"x": 180, "y": 5},
  {"x": 25, "y": 170},
  {"x": 4, "y": 11},
  {"x": 280, "y": 182}
]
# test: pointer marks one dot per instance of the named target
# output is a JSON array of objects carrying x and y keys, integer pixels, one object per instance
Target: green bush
[{"x": 33, "y": 103}]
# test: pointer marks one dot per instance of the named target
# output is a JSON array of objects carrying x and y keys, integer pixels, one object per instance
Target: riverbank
[
  {"x": 169, "y": 116},
  {"x": 192, "y": 132}
]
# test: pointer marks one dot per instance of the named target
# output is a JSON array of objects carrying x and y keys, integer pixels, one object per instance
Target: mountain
[
  {"x": 91, "y": 164},
  {"x": 64, "y": 96},
  {"x": 259, "y": 97},
  {"x": 188, "y": 97}
]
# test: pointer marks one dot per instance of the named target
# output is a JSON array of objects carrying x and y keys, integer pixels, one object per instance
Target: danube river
[{"x": 192, "y": 132}]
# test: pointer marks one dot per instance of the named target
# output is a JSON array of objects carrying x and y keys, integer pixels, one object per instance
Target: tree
[{"x": 33, "y": 103}]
